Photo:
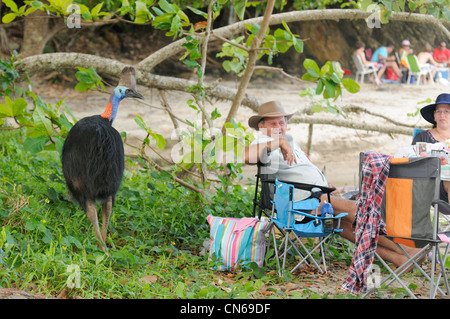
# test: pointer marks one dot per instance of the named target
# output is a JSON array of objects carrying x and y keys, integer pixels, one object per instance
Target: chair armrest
[
  {"x": 297, "y": 212},
  {"x": 443, "y": 206},
  {"x": 340, "y": 215},
  {"x": 304, "y": 186}
]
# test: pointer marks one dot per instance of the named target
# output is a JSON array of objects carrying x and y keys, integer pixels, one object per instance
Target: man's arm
[{"x": 253, "y": 153}]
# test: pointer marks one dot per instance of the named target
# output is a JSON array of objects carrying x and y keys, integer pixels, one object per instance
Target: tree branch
[
  {"x": 113, "y": 68},
  {"x": 351, "y": 123}
]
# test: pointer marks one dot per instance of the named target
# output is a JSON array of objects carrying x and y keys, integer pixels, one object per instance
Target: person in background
[
  {"x": 360, "y": 51},
  {"x": 403, "y": 53},
  {"x": 426, "y": 62},
  {"x": 441, "y": 54},
  {"x": 381, "y": 56},
  {"x": 405, "y": 50},
  {"x": 437, "y": 114}
]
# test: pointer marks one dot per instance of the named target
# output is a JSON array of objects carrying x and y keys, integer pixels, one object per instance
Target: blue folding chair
[{"x": 284, "y": 210}]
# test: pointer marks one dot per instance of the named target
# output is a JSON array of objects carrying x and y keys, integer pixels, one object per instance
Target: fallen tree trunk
[{"x": 57, "y": 61}]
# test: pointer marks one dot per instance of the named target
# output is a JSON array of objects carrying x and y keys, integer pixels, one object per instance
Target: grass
[{"x": 48, "y": 246}]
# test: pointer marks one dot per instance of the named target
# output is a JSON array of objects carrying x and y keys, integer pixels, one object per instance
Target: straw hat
[
  {"x": 428, "y": 111},
  {"x": 268, "y": 109}
]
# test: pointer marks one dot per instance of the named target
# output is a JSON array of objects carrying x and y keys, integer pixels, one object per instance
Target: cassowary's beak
[{"x": 131, "y": 93}]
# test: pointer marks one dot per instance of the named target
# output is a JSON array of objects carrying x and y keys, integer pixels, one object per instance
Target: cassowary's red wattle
[{"x": 108, "y": 111}]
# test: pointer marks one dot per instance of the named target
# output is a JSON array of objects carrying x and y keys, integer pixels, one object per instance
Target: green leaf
[
  {"x": 350, "y": 85},
  {"x": 329, "y": 89},
  {"x": 59, "y": 143},
  {"x": 40, "y": 120},
  {"x": 18, "y": 106},
  {"x": 239, "y": 8},
  {"x": 140, "y": 122},
  {"x": 96, "y": 9},
  {"x": 446, "y": 13},
  {"x": 87, "y": 16},
  {"x": 7, "y": 18},
  {"x": 335, "y": 78},
  {"x": 308, "y": 77},
  {"x": 142, "y": 12},
  {"x": 166, "y": 6},
  {"x": 191, "y": 64},
  {"x": 11, "y": 4},
  {"x": 283, "y": 38},
  {"x": 35, "y": 145},
  {"x": 36, "y": 4},
  {"x": 199, "y": 12},
  {"x": 160, "y": 141},
  {"x": 5, "y": 110},
  {"x": 412, "y": 6},
  {"x": 215, "y": 114},
  {"x": 311, "y": 67},
  {"x": 319, "y": 88},
  {"x": 317, "y": 108},
  {"x": 298, "y": 45}
]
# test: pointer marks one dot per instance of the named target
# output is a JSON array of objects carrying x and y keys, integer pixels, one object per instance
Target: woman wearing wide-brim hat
[{"x": 437, "y": 114}]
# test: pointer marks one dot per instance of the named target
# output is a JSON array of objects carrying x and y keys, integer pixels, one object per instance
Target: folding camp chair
[
  {"x": 284, "y": 210},
  {"x": 411, "y": 188},
  {"x": 263, "y": 203}
]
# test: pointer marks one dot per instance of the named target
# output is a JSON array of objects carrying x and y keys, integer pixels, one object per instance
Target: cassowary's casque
[{"x": 93, "y": 157}]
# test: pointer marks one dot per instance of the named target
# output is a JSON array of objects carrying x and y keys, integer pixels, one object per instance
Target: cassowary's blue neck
[{"x": 112, "y": 107}]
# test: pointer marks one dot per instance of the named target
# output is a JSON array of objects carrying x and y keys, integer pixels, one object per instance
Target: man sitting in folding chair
[{"x": 286, "y": 161}]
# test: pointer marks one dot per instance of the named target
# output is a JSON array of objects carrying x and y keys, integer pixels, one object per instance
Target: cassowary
[{"x": 93, "y": 157}]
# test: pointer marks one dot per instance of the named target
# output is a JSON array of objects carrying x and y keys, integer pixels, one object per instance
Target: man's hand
[
  {"x": 252, "y": 153},
  {"x": 288, "y": 152}
]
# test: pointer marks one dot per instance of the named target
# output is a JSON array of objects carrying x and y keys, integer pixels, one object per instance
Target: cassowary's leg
[
  {"x": 106, "y": 213},
  {"x": 91, "y": 212}
]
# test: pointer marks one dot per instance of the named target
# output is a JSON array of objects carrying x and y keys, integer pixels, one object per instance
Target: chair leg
[
  {"x": 286, "y": 239},
  {"x": 276, "y": 251},
  {"x": 393, "y": 273},
  {"x": 309, "y": 255},
  {"x": 322, "y": 252},
  {"x": 443, "y": 259},
  {"x": 442, "y": 272}
]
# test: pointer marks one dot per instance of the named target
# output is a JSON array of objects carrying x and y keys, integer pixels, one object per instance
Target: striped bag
[{"x": 237, "y": 241}]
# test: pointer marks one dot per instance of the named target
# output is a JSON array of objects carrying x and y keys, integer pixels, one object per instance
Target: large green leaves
[
  {"x": 12, "y": 108},
  {"x": 88, "y": 79},
  {"x": 329, "y": 79}
]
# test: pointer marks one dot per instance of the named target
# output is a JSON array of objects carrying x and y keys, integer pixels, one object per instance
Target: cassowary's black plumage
[
  {"x": 93, "y": 157},
  {"x": 93, "y": 160}
]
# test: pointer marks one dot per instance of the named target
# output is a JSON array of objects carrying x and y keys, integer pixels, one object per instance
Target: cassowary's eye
[{"x": 127, "y": 91}]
